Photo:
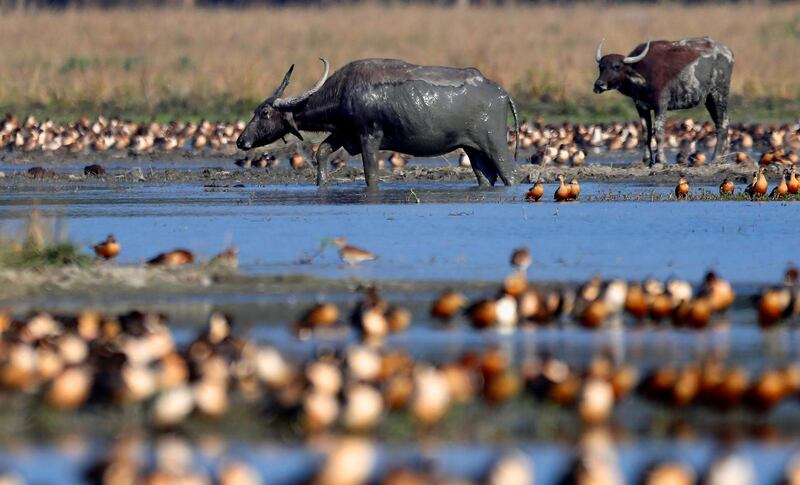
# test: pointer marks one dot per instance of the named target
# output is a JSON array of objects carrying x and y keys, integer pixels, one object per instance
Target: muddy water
[{"x": 429, "y": 231}]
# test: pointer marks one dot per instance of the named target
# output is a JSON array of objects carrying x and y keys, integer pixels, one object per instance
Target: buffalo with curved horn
[
  {"x": 385, "y": 104},
  {"x": 661, "y": 76}
]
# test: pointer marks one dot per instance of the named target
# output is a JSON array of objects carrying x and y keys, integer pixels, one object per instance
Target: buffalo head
[
  {"x": 273, "y": 118},
  {"x": 615, "y": 69}
]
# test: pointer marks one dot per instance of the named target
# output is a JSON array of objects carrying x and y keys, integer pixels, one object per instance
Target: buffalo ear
[
  {"x": 292, "y": 125},
  {"x": 284, "y": 83}
]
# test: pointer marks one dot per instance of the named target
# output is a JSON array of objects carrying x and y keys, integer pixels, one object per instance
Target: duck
[
  {"x": 463, "y": 160},
  {"x": 575, "y": 189},
  {"x": 535, "y": 192},
  {"x": 669, "y": 473},
  {"x": 719, "y": 292},
  {"x": 521, "y": 258},
  {"x": 726, "y": 188},
  {"x": 793, "y": 184},
  {"x": 107, "y": 249},
  {"x": 353, "y": 255},
  {"x": 397, "y": 161},
  {"x": 447, "y": 305},
  {"x": 743, "y": 159},
  {"x": 320, "y": 315},
  {"x": 697, "y": 159},
  {"x": 563, "y": 193},
  {"x": 682, "y": 189},
  {"x": 782, "y": 188},
  {"x": 176, "y": 257},
  {"x": 578, "y": 158},
  {"x": 297, "y": 161},
  {"x": 759, "y": 186},
  {"x": 398, "y": 318}
]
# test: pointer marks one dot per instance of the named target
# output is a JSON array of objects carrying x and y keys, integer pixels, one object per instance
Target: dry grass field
[{"x": 219, "y": 62}]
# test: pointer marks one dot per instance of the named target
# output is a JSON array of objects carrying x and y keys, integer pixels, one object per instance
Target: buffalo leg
[
  {"x": 370, "y": 145},
  {"x": 717, "y": 105},
  {"x": 647, "y": 126},
  {"x": 497, "y": 154},
  {"x": 328, "y": 146},
  {"x": 478, "y": 162},
  {"x": 661, "y": 120}
]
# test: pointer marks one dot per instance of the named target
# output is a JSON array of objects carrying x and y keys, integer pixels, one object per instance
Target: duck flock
[
  {"x": 364, "y": 375},
  {"x": 564, "y": 144}
]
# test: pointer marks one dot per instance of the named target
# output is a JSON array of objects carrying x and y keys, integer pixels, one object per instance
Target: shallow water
[{"x": 455, "y": 231}]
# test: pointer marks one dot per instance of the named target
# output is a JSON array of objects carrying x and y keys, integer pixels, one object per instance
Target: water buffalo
[
  {"x": 662, "y": 76},
  {"x": 385, "y": 104}
]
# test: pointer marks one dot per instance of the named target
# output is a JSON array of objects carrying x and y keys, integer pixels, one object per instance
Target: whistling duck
[
  {"x": 767, "y": 390},
  {"x": 731, "y": 470},
  {"x": 578, "y": 158},
  {"x": 363, "y": 409},
  {"x": 761, "y": 185},
  {"x": 297, "y": 161},
  {"x": 774, "y": 304},
  {"x": 536, "y": 192},
  {"x": 70, "y": 389},
  {"x": 107, "y": 249},
  {"x": 398, "y": 318},
  {"x": 596, "y": 401},
  {"x": 447, "y": 305},
  {"x": 502, "y": 387},
  {"x": 352, "y": 460},
  {"x": 563, "y": 193},
  {"x": 238, "y": 473},
  {"x": 718, "y": 291},
  {"x": 511, "y": 469},
  {"x": 743, "y": 159},
  {"x": 521, "y": 258},
  {"x": 793, "y": 184},
  {"x": 782, "y": 188},
  {"x": 515, "y": 283},
  {"x": 397, "y": 161},
  {"x": 172, "y": 406},
  {"x": 575, "y": 189},
  {"x": 463, "y": 160},
  {"x": 562, "y": 155},
  {"x": 636, "y": 301},
  {"x": 245, "y": 162},
  {"x": 483, "y": 313},
  {"x": 697, "y": 159},
  {"x": 176, "y": 257},
  {"x": 321, "y": 315},
  {"x": 94, "y": 169},
  {"x": 320, "y": 411},
  {"x": 726, "y": 187},
  {"x": 351, "y": 254},
  {"x": 623, "y": 380},
  {"x": 669, "y": 474},
  {"x": 682, "y": 189},
  {"x": 431, "y": 397}
]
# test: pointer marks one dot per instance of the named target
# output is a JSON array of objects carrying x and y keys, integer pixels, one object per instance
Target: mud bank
[{"x": 222, "y": 173}]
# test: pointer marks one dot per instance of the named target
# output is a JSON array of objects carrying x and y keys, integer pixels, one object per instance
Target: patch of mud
[{"x": 226, "y": 175}]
